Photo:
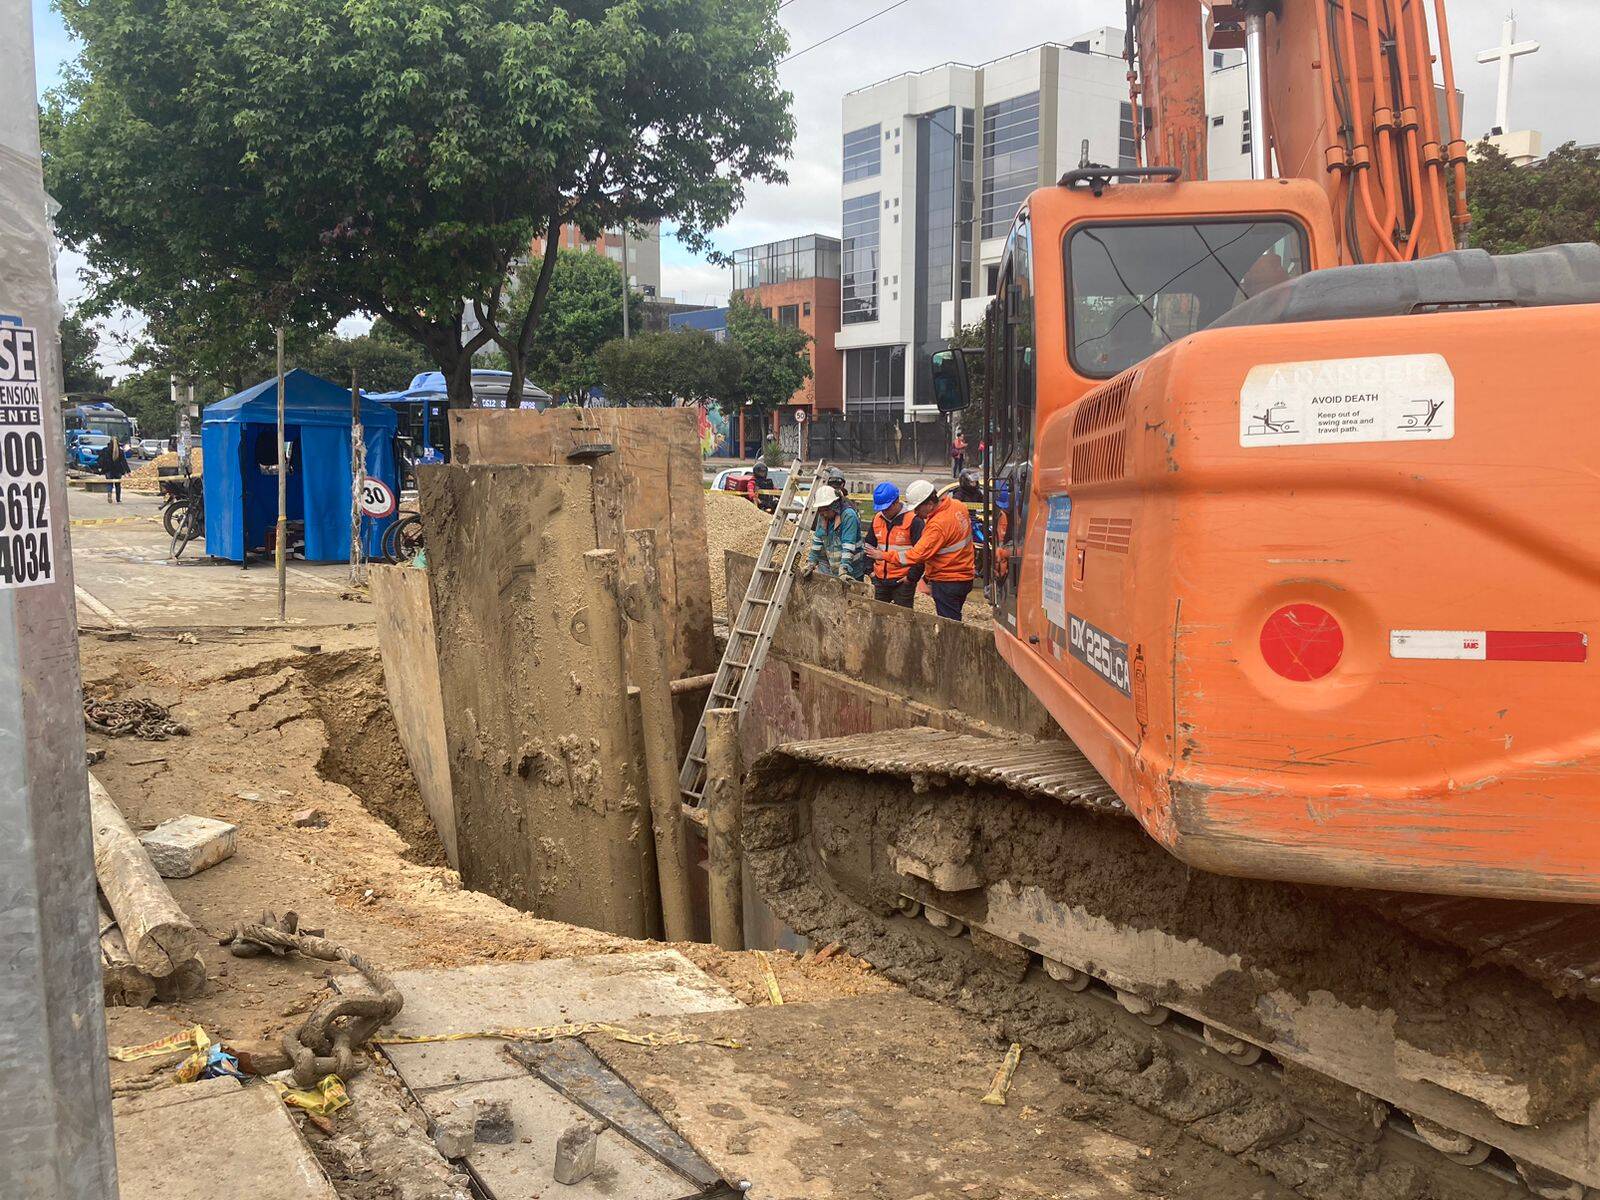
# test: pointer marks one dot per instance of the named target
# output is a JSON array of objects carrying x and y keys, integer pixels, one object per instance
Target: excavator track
[{"x": 1470, "y": 1024}]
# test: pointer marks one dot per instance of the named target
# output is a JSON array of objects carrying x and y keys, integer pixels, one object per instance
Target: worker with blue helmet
[{"x": 894, "y": 526}]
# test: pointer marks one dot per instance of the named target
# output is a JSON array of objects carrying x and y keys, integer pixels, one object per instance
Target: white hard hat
[
  {"x": 826, "y": 496},
  {"x": 918, "y": 491}
]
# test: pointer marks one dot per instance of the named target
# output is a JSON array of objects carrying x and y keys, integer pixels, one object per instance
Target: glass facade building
[
  {"x": 875, "y": 380},
  {"x": 863, "y": 152},
  {"x": 938, "y": 227},
  {"x": 809, "y": 257},
  {"x": 1010, "y": 160},
  {"x": 858, "y": 290}
]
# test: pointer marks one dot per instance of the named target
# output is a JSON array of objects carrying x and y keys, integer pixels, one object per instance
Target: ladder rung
[
  {"x": 693, "y": 757},
  {"x": 757, "y": 600},
  {"x": 749, "y": 632}
]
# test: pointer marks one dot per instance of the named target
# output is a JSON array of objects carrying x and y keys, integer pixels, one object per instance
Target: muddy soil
[
  {"x": 1310, "y": 939},
  {"x": 275, "y": 732},
  {"x": 1241, "y": 1113}
]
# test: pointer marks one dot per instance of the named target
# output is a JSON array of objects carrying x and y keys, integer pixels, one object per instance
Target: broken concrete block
[
  {"x": 310, "y": 818},
  {"x": 185, "y": 846},
  {"x": 575, "y": 1151},
  {"x": 452, "y": 1132},
  {"x": 493, "y": 1123}
]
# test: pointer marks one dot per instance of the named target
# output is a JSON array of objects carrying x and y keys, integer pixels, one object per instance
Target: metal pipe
[
  {"x": 1413, "y": 141},
  {"x": 1381, "y": 228},
  {"x": 55, "y": 1111},
  {"x": 1438, "y": 201},
  {"x": 283, "y": 500},
  {"x": 1255, "y": 36},
  {"x": 1456, "y": 159},
  {"x": 724, "y": 801}
]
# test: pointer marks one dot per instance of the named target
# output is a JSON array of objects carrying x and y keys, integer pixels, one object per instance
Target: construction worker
[
  {"x": 945, "y": 548},
  {"x": 894, "y": 527},
  {"x": 836, "y": 536}
]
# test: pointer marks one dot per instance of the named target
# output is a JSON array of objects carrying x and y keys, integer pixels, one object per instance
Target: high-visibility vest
[
  {"x": 945, "y": 546},
  {"x": 891, "y": 536}
]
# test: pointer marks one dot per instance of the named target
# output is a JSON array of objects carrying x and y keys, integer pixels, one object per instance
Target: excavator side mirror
[{"x": 950, "y": 387}]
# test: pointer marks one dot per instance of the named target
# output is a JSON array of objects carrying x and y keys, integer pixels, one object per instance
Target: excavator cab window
[
  {"x": 1010, "y": 383},
  {"x": 1134, "y": 287}
]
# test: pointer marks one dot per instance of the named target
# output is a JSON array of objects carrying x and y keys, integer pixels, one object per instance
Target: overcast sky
[{"x": 1554, "y": 88}]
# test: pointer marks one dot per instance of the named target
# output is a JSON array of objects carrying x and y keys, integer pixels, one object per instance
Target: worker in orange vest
[
  {"x": 894, "y": 527},
  {"x": 944, "y": 549}
]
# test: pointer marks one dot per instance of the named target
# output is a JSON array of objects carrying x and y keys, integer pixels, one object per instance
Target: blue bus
[{"x": 88, "y": 422}]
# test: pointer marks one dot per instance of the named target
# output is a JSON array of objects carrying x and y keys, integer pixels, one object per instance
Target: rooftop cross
[{"x": 1506, "y": 53}]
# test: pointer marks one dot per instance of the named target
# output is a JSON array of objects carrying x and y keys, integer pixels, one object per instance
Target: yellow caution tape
[
  {"x": 772, "y": 980},
  {"x": 549, "y": 1033},
  {"x": 327, "y": 1097},
  {"x": 1004, "y": 1076},
  {"x": 80, "y": 521},
  {"x": 193, "y": 1038}
]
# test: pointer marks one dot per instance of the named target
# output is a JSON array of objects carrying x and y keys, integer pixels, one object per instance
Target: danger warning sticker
[
  {"x": 1490, "y": 645},
  {"x": 1394, "y": 397}
]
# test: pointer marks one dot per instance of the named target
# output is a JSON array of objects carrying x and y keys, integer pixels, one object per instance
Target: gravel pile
[
  {"x": 144, "y": 478},
  {"x": 732, "y": 523}
]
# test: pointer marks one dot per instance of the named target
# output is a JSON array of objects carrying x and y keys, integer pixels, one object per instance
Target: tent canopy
[{"x": 239, "y": 439}]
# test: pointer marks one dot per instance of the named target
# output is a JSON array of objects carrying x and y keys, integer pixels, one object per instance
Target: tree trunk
[
  {"x": 125, "y": 985},
  {"x": 159, "y": 935}
]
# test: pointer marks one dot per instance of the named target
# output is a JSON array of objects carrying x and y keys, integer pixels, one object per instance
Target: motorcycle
[{"x": 183, "y": 510}]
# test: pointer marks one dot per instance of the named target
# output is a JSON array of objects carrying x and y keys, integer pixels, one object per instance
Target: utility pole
[
  {"x": 55, "y": 1110},
  {"x": 627, "y": 290},
  {"x": 283, "y": 500}
]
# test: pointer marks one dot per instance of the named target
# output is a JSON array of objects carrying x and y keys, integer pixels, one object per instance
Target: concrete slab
[
  {"x": 125, "y": 579},
  {"x": 623, "y": 988},
  {"x": 206, "y": 1141},
  {"x": 522, "y": 1170}
]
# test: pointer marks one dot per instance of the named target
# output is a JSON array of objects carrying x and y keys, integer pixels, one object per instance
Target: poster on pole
[{"x": 26, "y": 555}]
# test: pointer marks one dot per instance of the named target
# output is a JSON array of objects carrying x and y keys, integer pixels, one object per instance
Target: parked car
[
  {"x": 153, "y": 446},
  {"x": 86, "y": 450}
]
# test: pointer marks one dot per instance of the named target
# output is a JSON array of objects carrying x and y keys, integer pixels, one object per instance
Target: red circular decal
[{"x": 1302, "y": 642}]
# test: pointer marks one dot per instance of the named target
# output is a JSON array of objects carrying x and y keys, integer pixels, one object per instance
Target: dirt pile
[
  {"x": 146, "y": 477},
  {"x": 732, "y": 523}
]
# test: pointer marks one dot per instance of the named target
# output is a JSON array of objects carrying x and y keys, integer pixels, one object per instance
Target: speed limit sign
[
  {"x": 377, "y": 498},
  {"x": 799, "y": 416}
]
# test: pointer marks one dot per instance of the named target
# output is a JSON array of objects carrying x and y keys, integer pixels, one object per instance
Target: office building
[
  {"x": 644, "y": 253},
  {"x": 935, "y": 166},
  {"x": 796, "y": 281}
]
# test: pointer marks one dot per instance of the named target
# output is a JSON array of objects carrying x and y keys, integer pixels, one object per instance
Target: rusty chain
[
  {"x": 142, "y": 718},
  {"x": 327, "y": 1040}
]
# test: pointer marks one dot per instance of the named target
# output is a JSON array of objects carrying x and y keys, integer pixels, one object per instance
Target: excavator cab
[{"x": 1247, "y": 540}]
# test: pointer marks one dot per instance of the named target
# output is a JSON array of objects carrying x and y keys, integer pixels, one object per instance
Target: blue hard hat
[
  {"x": 884, "y": 495},
  {"x": 1003, "y": 493}
]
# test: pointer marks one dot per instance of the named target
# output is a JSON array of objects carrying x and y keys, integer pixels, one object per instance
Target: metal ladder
[{"x": 751, "y": 634}]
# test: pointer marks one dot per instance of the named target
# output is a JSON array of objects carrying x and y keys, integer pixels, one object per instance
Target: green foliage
[
  {"x": 383, "y": 360},
  {"x": 661, "y": 368},
  {"x": 776, "y": 362},
  {"x": 1522, "y": 208},
  {"x": 147, "y": 396},
  {"x": 235, "y": 165},
  {"x": 80, "y": 372},
  {"x": 582, "y": 312}
]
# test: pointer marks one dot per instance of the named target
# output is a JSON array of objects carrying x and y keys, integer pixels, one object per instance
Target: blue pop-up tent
[{"x": 239, "y": 438}]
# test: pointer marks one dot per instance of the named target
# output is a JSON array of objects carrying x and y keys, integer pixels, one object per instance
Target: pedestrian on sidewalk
[
  {"x": 113, "y": 464},
  {"x": 894, "y": 527},
  {"x": 945, "y": 548},
  {"x": 958, "y": 456}
]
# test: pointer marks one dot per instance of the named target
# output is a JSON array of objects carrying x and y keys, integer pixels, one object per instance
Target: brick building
[{"x": 797, "y": 283}]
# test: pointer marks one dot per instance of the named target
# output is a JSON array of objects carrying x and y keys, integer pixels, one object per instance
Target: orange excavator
[{"x": 1301, "y": 550}]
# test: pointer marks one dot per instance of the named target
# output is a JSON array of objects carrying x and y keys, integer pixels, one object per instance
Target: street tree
[
  {"x": 1522, "y": 208},
  {"x": 80, "y": 342},
  {"x": 776, "y": 361},
  {"x": 294, "y": 161},
  {"x": 658, "y": 369},
  {"x": 582, "y": 312}
]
